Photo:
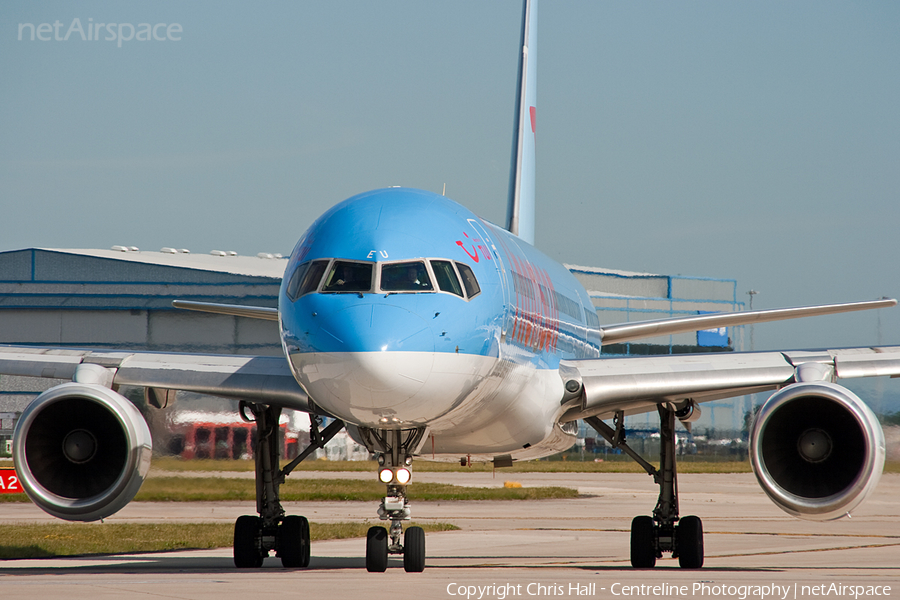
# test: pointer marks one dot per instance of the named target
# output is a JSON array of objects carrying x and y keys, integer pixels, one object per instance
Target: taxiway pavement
[{"x": 530, "y": 549}]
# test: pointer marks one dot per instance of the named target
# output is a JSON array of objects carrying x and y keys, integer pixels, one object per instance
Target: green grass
[
  {"x": 78, "y": 539},
  {"x": 686, "y": 464},
  {"x": 180, "y": 489},
  {"x": 626, "y": 465},
  {"x": 212, "y": 489}
]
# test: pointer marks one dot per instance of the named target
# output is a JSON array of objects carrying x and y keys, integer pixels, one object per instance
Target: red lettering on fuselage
[
  {"x": 536, "y": 320},
  {"x": 474, "y": 248},
  {"x": 477, "y": 244},
  {"x": 535, "y": 315}
]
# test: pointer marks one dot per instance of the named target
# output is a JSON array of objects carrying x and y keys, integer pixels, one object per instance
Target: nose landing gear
[{"x": 395, "y": 471}]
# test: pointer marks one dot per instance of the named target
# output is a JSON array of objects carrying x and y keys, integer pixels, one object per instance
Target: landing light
[
  {"x": 386, "y": 475},
  {"x": 403, "y": 476}
]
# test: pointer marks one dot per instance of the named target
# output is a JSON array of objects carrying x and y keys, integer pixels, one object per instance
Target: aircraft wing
[
  {"x": 638, "y": 384},
  {"x": 236, "y": 310},
  {"x": 264, "y": 379},
  {"x": 627, "y": 332}
]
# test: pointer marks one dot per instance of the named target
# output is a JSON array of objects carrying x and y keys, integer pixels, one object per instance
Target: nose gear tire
[
  {"x": 376, "y": 550},
  {"x": 414, "y": 550}
]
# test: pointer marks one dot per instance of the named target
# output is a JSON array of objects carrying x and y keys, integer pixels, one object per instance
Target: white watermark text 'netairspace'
[{"x": 95, "y": 32}]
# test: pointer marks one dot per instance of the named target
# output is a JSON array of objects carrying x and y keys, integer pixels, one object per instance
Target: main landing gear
[
  {"x": 288, "y": 536},
  {"x": 664, "y": 531},
  {"x": 394, "y": 448}
]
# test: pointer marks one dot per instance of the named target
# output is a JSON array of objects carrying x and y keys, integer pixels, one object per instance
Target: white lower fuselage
[{"x": 470, "y": 405}]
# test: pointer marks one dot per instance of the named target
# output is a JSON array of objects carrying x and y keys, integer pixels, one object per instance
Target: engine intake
[
  {"x": 81, "y": 451},
  {"x": 817, "y": 450}
]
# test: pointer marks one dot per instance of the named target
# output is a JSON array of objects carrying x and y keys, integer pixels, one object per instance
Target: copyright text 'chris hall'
[{"x": 699, "y": 589}]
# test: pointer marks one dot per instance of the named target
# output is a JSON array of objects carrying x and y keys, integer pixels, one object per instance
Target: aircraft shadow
[{"x": 163, "y": 562}]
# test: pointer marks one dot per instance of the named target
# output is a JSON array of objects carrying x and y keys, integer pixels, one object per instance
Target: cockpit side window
[
  {"x": 469, "y": 281},
  {"x": 405, "y": 277},
  {"x": 294, "y": 283},
  {"x": 306, "y": 278},
  {"x": 346, "y": 276},
  {"x": 312, "y": 277},
  {"x": 446, "y": 277}
]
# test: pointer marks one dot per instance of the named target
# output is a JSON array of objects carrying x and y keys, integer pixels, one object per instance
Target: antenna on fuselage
[
  {"x": 520, "y": 209},
  {"x": 444, "y": 193}
]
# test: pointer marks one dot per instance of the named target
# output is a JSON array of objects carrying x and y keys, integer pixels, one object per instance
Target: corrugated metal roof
[
  {"x": 251, "y": 266},
  {"x": 605, "y": 271}
]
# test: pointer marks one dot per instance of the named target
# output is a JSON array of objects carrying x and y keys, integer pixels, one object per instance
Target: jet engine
[
  {"x": 81, "y": 451},
  {"x": 817, "y": 450}
]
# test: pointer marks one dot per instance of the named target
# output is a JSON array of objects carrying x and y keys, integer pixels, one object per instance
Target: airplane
[{"x": 430, "y": 333}]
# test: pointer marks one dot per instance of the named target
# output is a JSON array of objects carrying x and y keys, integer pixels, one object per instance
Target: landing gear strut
[
  {"x": 663, "y": 532},
  {"x": 288, "y": 535},
  {"x": 394, "y": 448}
]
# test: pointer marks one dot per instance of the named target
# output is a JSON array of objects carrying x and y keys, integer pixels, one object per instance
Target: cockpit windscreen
[
  {"x": 405, "y": 277},
  {"x": 346, "y": 276}
]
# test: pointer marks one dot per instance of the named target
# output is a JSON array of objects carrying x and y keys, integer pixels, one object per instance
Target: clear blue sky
[{"x": 758, "y": 141}]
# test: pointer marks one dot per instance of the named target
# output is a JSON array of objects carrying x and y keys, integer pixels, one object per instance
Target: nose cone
[
  {"x": 376, "y": 361},
  {"x": 374, "y": 388},
  {"x": 375, "y": 328}
]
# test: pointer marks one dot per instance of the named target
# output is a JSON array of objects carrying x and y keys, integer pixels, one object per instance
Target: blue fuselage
[{"x": 400, "y": 308}]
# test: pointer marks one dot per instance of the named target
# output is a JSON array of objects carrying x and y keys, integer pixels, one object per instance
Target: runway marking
[
  {"x": 837, "y": 535},
  {"x": 825, "y": 535},
  {"x": 838, "y": 548},
  {"x": 101, "y": 583}
]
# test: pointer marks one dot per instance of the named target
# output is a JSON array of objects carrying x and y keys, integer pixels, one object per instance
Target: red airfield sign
[{"x": 9, "y": 482}]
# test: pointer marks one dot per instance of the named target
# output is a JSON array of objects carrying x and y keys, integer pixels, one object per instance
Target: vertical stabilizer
[{"x": 520, "y": 211}]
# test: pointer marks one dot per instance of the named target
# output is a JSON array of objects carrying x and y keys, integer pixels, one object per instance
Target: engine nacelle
[
  {"x": 817, "y": 450},
  {"x": 81, "y": 451}
]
